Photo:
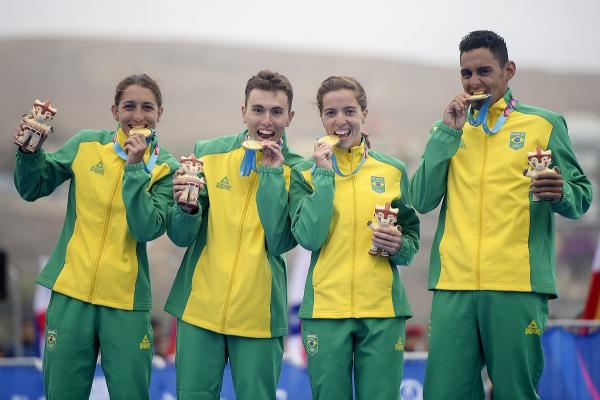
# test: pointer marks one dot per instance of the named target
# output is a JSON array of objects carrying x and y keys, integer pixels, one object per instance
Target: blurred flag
[
  {"x": 297, "y": 271},
  {"x": 41, "y": 299},
  {"x": 592, "y": 304}
]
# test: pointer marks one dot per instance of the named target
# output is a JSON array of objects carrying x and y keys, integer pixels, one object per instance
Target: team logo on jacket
[
  {"x": 312, "y": 343},
  {"x": 145, "y": 343},
  {"x": 378, "y": 184},
  {"x": 533, "y": 329},
  {"x": 517, "y": 140},
  {"x": 399, "y": 346},
  {"x": 51, "y": 340},
  {"x": 224, "y": 184},
  {"x": 98, "y": 168}
]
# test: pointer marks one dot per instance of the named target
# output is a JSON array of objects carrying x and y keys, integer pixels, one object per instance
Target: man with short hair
[
  {"x": 492, "y": 266},
  {"x": 229, "y": 295}
]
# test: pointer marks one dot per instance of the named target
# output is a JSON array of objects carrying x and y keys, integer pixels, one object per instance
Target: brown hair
[
  {"x": 142, "y": 80},
  {"x": 271, "y": 81},
  {"x": 334, "y": 83}
]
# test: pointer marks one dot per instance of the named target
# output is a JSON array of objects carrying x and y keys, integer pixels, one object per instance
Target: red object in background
[{"x": 592, "y": 304}]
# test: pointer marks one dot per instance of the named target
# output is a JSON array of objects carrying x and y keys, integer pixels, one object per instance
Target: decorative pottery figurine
[
  {"x": 539, "y": 161},
  {"x": 191, "y": 167},
  {"x": 36, "y": 126},
  {"x": 385, "y": 216}
]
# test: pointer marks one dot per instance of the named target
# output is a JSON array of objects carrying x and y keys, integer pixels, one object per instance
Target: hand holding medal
[{"x": 323, "y": 150}]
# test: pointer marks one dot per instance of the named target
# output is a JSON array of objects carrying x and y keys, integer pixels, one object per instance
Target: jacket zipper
[
  {"x": 353, "y": 288},
  {"x": 481, "y": 190},
  {"x": 108, "y": 217},
  {"x": 238, "y": 249}
]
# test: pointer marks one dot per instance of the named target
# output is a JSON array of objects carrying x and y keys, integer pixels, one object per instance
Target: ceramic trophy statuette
[
  {"x": 190, "y": 168},
  {"x": 539, "y": 161},
  {"x": 385, "y": 216},
  {"x": 35, "y": 126}
]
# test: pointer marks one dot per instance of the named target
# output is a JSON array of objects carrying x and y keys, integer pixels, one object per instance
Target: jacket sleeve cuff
[
  {"x": 134, "y": 167},
  {"x": 450, "y": 131},
  {"x": 323, "y": 172},
  {"x": 270, "y": 170}
]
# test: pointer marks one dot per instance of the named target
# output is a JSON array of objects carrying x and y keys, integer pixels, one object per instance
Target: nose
[
  {"x": 474, "y": 81},
  {"x": 268, "y": 119},
  {"x": 138, "y": 114}
]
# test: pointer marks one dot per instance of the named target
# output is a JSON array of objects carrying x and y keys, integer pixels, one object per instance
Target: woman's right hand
[{"x": 322, "y": 155}]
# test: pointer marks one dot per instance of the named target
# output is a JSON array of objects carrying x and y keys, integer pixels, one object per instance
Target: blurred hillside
[{"x": 203, "y": 90}]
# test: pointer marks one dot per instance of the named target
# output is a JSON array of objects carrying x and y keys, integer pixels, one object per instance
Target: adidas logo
[
  {"x": 399, "y": 346},
  {"x": 98, "y": 168},
  {"x": 224, "y": 184},
  {"x": 145, "y": 343},
  {"x": 533, "y": 329}
]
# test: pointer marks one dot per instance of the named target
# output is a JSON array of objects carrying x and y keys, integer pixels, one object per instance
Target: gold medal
[
  {"x": 329, "y": 139},
  {"x": 140, "y": 131},
  {"x": 252, "y": 144},
  {"x": 477, "y": 97}
]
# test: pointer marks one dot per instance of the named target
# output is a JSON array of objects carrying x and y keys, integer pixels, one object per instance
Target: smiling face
[
  {"x": 266, "y": 114},
  {"x": 137, "y": 108},
  {"x": 342, "y": 116},
  {"x": 481, "y": 72}
]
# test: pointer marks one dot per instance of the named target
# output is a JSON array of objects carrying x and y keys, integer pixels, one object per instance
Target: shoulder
[
  {"x": 218, "y": 145},
  {"x": 389, "y": 160},
  {"x": 102, "y": 136},
  {"x": 550, "y": 116},
  {"x": 165, "y": 157}
]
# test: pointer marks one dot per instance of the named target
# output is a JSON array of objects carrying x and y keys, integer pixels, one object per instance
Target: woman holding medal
[
  {"x": 118, "y": 197},
  {"x": 354, "y": 307}
]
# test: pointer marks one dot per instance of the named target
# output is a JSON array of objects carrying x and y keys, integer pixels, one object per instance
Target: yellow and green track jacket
[
  {"x": 113, "y": 209},
  {"x": 330, "y": 215},
  {"x": 233, "y": 277},
  {"x": 491, "y": 235}
]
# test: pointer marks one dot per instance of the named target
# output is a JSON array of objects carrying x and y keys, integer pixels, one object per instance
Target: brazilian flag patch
[
  {"x": 517, "y": 140},
  {"x": 378, "y": 184}
]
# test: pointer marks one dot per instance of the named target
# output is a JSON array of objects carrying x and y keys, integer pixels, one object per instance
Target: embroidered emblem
[
  {"x": 51, "y": 340},
  {"x": 399, "y": 345},
  {"x": 98, "y": 168},
  {"x": 532, "y": 329},
  {"x": 517, "y": 140},
  {"x": 145, "y": 343},
  {"x": 378, "y": 184},
  {"x": 312, "y": 343},
  {"x": 224, "y": 184}
]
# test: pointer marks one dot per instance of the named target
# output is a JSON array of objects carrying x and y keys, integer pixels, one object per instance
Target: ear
[
  {"x": 244, "y": 113},
  {"x": 364, "y": 117},
  {"x": 160, "y": 112},
  {"x": 115, "y": 112},
  {"x": 510, "y": 68},
  {"x": 290, "y": 117}
]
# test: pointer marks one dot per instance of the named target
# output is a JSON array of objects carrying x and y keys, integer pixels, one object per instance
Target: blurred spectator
[
  {"x": 416, "y": 339},
  {"x": 28, "y": 340},
  {"x": 159, "y": 338}
]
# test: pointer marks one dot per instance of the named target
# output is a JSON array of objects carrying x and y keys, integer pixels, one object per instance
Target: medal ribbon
[
  {"x": 149, "y": 166},
  {"x": 481, "y": 117}
]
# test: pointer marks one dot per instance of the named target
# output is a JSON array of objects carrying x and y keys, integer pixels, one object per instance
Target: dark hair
[
  {"x": 270, "y": 81},
  {"x": 486, "y": 39},
  {"x": 142, "y": 80},
  {"x": 334, "y": 83}
]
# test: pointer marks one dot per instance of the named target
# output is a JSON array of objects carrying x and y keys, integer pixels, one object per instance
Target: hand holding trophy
[
  {"x": 187, "y": 184},
  {"x": 34, "y": 127},
  {"x": 386, "y": 217}
]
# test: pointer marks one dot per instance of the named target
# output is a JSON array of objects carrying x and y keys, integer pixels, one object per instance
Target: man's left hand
[
  {"x": 548, "y": 186},
  {"x": 388, "y": 238}
]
